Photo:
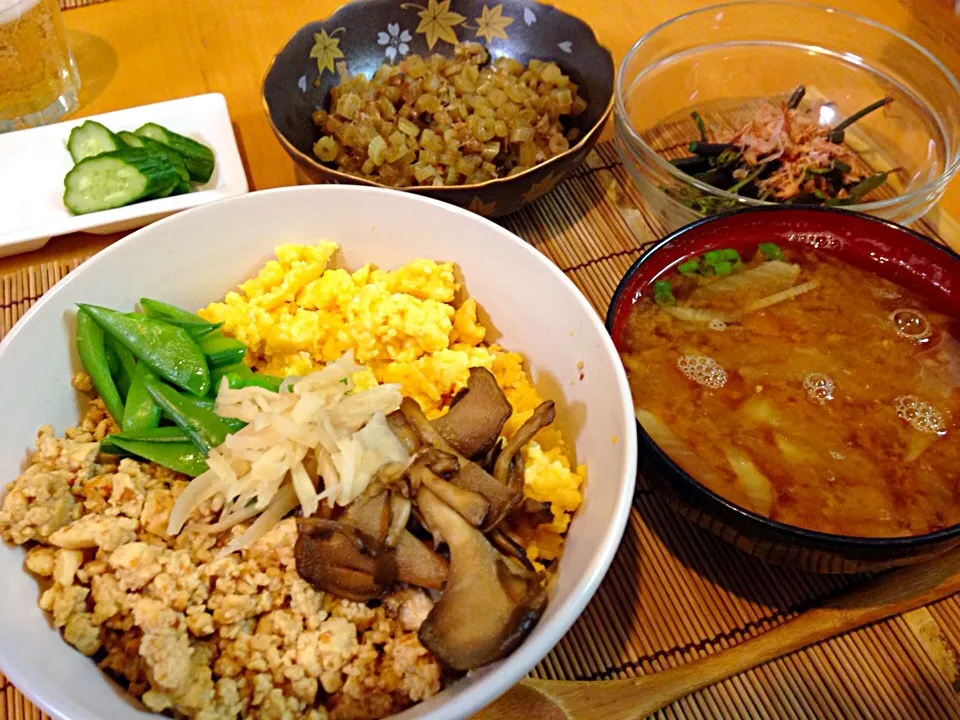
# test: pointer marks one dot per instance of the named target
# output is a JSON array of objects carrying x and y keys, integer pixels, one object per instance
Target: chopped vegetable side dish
[
  {"x": 783, "y": 154},
  {"x": 440, "y": 121},
  {"x": 113, "y": 170},
  {"x": 324, "y": 497}
]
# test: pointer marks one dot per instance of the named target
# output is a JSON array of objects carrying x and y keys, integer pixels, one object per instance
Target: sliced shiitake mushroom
[
  {"x": 472, "y": 506},
  {"x": 476, "y": 416},
  {"x": 490, "y": 603},
  {"x": 470, "y": 476}
]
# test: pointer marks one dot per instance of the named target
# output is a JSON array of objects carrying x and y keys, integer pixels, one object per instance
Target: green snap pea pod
[
  {"x": 140, "y": 411},
  {"x": 239, "y": 375},
  {"x": 172, "y": 433},
  {"x": 217, "y": 374},
  {"x": 207, "y": 403},
  {"x": 191, "y": 322},
  {"x": 220, "y": 350},
  {"x": 163, "y": 434},
  {"x": 113, "y": 360},
  {"x": 182, "y": 457},
  {"x": 267, "y": 382},
  {"x": 127, "y": 365},
  {"x": 166, "y": 433},
  {"x": 204, "y": 427},
  {"x": 91, "y": 346},
  {"x": 168, "y": 350}
]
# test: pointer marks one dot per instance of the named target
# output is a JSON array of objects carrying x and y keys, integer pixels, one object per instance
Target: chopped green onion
[
  {"x": 663, "y": 293},
  {"x": 689, "y": 267},
  {"x": 723, "y": 268},
  {"x": 771, "y": 251},
  {"x": 731, "y": 255},
  {"x": 712, "y": 257}
]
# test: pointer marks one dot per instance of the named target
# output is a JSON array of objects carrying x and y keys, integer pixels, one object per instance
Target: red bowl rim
[{"x": 814, "y": 537}]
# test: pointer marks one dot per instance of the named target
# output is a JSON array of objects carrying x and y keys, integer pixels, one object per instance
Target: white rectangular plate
[{"x": 34, "y": 162}]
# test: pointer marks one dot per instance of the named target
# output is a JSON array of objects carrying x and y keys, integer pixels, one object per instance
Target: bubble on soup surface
[
  {"x": 704, "y": 370},
  {"x": 911, "y": 323},
  {"x": 923, "y": 416},
  {"x": 819, "y": 387},
  {"x": 717, "y": 324}
]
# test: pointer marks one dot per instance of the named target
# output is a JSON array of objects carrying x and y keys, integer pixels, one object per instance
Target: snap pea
[
  {"x": 182, "y": 457},
  {"x": 239, "y": 375},
  {"x": 217, "y": 374},
  {"x": 140, "y": 411},
  {"x": 204, "y": 427},
  {"x": 220, "y": 350},
  {"x": 113, "y": 360},
  {"x": 171, "y": 433},
  {"x": 167, "y": 349},
  {"x": 126, "y": 365},
  {"x": 93, "y": 355},
  {"x": 267, "y": 382},
  {"x": 192, "y": 323},
  {"x": 167, "y": 433}
]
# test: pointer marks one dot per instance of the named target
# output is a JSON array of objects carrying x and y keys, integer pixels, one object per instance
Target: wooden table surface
[{"x": 133, "y": 52}]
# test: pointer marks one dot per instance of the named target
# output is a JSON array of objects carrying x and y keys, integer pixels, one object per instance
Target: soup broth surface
[{"x": 804, "y": 389}]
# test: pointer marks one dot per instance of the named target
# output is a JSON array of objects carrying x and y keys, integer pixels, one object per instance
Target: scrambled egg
[{"x": 298, "y": 314}]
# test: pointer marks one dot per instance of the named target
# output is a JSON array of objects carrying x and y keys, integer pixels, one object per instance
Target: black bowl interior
[
  {"x": 365, "y": 30},
  {"x": 891, "y": 251}
]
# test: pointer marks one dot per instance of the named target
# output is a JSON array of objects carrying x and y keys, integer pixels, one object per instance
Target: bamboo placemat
[
  {"x": 674, "y": 592},
  {"x": 67, "y": 4}
]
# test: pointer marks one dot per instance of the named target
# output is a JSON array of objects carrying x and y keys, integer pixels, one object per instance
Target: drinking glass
[{"x": 38, "y": 77}]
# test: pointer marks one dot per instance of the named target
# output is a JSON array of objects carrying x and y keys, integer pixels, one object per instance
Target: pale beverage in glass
[{"x": 38, "y": 77}]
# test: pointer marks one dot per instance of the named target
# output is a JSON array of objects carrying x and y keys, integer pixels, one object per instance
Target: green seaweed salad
[{"x": 158, "y": 372}]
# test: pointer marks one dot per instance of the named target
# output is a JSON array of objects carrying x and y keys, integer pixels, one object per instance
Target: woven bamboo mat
[
  {"x": 67, "y": 4},
  {"x": 675, "y": 593}
]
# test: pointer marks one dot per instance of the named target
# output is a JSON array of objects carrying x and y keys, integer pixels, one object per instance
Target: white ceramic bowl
[{"x": 194, "y": 258}]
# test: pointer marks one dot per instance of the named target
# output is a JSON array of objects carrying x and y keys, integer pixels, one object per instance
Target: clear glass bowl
[{"x": 720, "y": 59}]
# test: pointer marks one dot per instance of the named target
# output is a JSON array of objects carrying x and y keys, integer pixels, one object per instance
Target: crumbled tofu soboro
[{"x": 242, "y": 636}]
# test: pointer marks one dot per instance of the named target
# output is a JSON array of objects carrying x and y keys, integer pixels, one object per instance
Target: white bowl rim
[{"x": 518, "y": 664}]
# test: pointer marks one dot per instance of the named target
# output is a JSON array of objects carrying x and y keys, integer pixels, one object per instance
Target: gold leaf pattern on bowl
[
  {"x": 486, "y": 209},
  {"x": 542, "y": 187},
  {"x": 437, "y": 21},
  {"x": 492, "y": 23},
  {"x": 326, "y": 50}
]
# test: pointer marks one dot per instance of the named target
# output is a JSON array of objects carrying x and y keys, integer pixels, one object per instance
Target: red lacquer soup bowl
[{"x": 888, "y": 250}]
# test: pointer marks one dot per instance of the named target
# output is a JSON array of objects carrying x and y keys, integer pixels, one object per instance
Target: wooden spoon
[{"x": 893, "y": 593}]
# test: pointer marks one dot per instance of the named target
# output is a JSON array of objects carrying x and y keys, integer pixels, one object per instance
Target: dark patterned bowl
[
  {"x": 367, "y": 33},
  {"x": 889, "y": 250}
]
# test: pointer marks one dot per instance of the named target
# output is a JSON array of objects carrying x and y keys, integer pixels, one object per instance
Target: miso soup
[{"x": 802, "y": 388}]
